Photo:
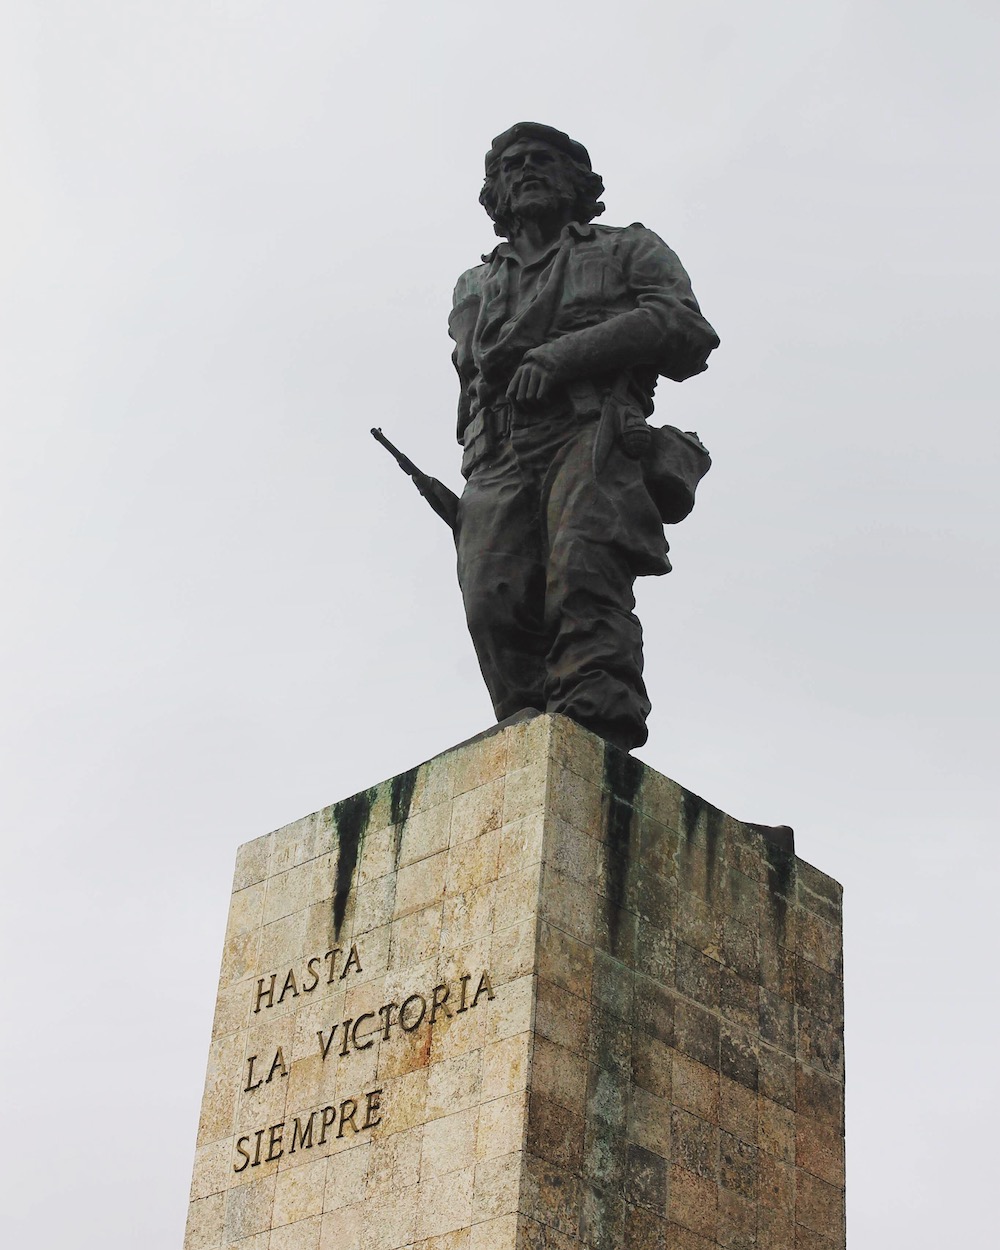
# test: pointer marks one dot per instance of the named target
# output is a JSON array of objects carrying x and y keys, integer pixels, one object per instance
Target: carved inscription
[
  {"x": 353, "y": 1114},
  {"x": 408, "y": 1015},
  {"x": 321, "y": 968},
  {"x": 278, "y": 1067},
  {"x": 321, "y": 1123}
]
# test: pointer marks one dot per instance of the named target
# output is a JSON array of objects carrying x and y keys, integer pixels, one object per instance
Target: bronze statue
[{"x": 560, "y": 336}]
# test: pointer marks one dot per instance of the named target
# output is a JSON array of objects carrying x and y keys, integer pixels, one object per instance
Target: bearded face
[{"x": 534, "y": 181}]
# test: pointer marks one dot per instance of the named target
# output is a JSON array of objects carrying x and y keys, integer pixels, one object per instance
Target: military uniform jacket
[{"x": 601, "y": 302}]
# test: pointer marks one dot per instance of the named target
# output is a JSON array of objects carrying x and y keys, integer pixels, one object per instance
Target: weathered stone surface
[{"x": 531, "y": 995}]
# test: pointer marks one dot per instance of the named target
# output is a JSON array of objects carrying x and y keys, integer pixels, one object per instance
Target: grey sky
[{"x": 230, "y": 235}]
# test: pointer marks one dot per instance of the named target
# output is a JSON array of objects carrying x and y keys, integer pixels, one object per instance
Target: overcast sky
[{"x": 231, "y": 229}]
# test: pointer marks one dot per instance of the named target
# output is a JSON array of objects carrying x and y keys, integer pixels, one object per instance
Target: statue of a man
[{"x": 559, "y": 339}]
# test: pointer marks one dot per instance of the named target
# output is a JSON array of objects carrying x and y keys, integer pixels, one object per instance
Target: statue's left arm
[{"x": 664, "y": 329}]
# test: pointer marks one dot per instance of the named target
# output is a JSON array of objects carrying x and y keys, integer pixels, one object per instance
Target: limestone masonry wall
[{"x": 531, "y": 995}]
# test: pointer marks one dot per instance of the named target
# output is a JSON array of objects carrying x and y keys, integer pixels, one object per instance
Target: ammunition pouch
[{"x": 673, "y": 467}]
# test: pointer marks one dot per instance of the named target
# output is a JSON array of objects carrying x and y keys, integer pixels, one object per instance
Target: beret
[{"x": 535, "y": 130}]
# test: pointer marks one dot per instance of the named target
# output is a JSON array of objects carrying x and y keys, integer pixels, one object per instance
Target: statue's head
[{"x": 534, "y": 170}]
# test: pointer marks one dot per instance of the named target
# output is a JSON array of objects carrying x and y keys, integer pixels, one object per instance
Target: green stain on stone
[
  {"x": 622, "y": 780},
  {"x": 694, "y": 812},
  {"x": 350, "y": 817},
  {"x": 400, "y": 798},
  {"x": 780, "y": 878}
]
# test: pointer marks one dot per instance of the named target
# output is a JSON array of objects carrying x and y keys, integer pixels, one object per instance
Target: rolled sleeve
[{"x": 665, "y": 330}]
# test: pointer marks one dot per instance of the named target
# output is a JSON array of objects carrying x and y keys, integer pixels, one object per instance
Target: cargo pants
[{"x": 548, "y": 552}]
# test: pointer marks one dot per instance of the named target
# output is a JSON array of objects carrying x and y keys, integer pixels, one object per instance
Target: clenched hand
[{"x": 532, "y": 380}]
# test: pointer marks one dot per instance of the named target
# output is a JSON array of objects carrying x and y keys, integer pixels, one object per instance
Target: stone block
[{"x": 531, "y": 995}]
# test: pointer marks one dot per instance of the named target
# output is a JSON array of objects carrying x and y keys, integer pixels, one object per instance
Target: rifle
[{"x": 443, "y": 500}]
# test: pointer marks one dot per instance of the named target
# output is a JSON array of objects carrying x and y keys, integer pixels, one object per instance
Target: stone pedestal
[{"x": 531, "y": 995}]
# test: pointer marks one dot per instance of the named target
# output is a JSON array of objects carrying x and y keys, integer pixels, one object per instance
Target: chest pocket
[{"x": 593, "y": 279}]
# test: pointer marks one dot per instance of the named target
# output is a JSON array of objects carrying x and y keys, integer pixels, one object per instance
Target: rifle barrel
[
  {"x": 441, "y": 498},
  {"x": 404, "y": 462}
]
